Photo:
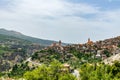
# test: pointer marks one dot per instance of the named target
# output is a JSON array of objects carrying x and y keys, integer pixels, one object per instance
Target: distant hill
[
  {"x": 22, "y": 36},
  {"x": 4, "y": 39},
  {"x": 14, "y": 50}
]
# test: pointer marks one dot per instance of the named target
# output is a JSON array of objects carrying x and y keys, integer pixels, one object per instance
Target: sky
[{"x": 72, "y": 21}]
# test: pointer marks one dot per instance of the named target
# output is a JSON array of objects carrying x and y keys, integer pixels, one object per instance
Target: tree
[{"x": 51, "y": 72}]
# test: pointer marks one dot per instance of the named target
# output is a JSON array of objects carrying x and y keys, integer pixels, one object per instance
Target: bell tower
[
  {"x": 60, "y": 42},
  {"x": 89, "y": 40}
]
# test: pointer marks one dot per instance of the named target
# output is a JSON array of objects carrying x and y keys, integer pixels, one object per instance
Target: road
[{"x": 34, "y": 63}]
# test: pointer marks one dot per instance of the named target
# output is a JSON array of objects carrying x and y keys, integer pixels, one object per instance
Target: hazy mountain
[
  {"x": 22, "y": 36},
  {"x": 10, "y": 40}
]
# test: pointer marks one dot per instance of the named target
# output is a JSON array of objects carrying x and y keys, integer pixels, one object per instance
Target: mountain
[
  {"x": 14, "y": 50},
  {"x": 22, "y": 36},
  {"x": 4, "y": 39}
]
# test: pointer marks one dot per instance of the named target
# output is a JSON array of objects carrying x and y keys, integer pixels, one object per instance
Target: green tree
[{"x": 51, "y": 72}]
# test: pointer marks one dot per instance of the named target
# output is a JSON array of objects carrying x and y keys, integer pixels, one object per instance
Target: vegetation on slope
[
  {"x": 14, "y": 50},
  {"x": 28, "y": 38},
  {"x": 73, "y": 57},
  {"x": 100, "y": 71},
  {"x": 51, "y": 72}
]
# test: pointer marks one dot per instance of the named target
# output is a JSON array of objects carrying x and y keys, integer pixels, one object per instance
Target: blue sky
[
  {"x": 72, "y": 21},
  {"x": 104, "y": 4}
]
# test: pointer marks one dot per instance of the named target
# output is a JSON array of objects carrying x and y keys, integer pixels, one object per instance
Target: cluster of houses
[{"x": 101, "y": 49}]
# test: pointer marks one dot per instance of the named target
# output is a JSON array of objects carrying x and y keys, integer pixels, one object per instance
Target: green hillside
[
  {"x": 14, "y": 50},
  {"x": 21, "y": 36},
  {"x": 8, "y": 39}
]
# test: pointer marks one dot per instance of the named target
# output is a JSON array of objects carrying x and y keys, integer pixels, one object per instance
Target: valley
[{"x": 23, "y": 59}]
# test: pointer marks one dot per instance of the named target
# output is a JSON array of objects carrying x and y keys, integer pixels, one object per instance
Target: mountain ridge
[{"x": 22, "y": 36}]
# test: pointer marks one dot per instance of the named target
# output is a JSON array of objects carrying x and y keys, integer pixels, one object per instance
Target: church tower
[
  {"x": 89, "y": 40},
  {"x": 60, "y": 42}
]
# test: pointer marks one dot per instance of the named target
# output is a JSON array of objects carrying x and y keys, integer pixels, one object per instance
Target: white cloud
[
  {"x": 59, "y": 19},
  {"x": 50, "y": 8}
]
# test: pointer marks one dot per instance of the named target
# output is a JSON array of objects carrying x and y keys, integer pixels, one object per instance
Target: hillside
[
  {"x": 14, "y": 50},
  {"x": 76, "y": 54},
  {"x": 10, "y": 39},
  {"x": 24, "y": 59},
  {"x": 28, "y": 38},
  {"x": 112, "y": 59}
]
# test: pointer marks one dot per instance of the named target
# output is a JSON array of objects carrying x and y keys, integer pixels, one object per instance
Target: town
[{"x": 100, "y": 49}]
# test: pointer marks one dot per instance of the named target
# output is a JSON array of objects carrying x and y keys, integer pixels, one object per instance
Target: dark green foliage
[
  {"x": 100, "y": 72},
  {"x": 18, "y": 70},
  {"x": 115, "y": 71},
  {"x": 107, "y": 53},
  {"x": 35, "y": 56}
]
